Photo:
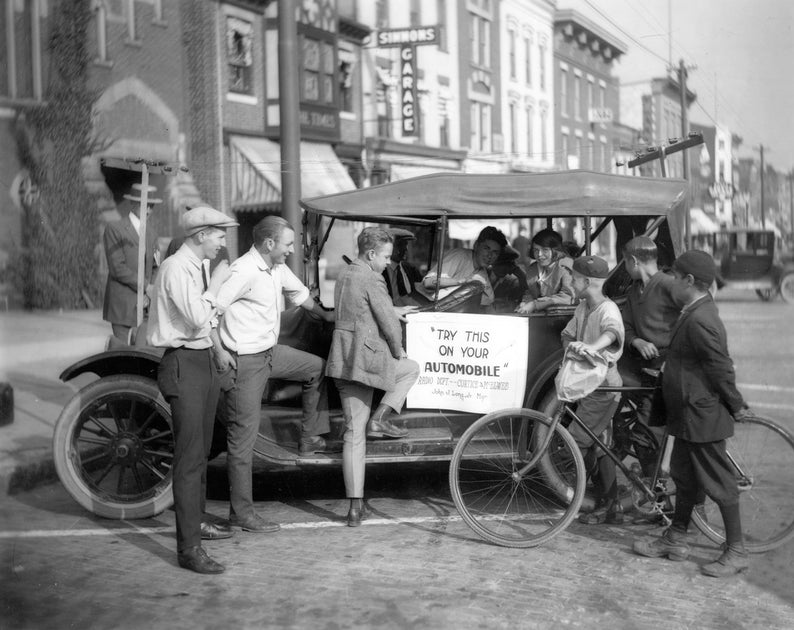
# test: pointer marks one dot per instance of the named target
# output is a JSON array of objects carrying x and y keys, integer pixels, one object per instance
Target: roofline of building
[{"x": 571, "y": 15}]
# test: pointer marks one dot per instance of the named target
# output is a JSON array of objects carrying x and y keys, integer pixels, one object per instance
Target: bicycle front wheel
[
  {"x": 500, "y": 503},
  {"x": 763, "y": 453}
]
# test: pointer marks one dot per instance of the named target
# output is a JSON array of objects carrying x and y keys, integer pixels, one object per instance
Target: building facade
[{"x": 588, "y": 101}]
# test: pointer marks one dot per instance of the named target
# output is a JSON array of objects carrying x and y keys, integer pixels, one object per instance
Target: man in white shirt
[
  {"x": 251, "y": 301},
  {"x": 183, "y": 309}
]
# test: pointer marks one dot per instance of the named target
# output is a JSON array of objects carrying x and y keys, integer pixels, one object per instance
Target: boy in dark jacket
[{"x": 699, "y": 387}]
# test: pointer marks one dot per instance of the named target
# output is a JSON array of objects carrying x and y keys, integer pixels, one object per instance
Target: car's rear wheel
[
  {"x": 787, "y": 287},
  {"x": 113, "y": 447}
]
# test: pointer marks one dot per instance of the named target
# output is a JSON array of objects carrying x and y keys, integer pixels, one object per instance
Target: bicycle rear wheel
[
  {"x": 764, "y": 454},
  {"x": 498, "y": 504}
]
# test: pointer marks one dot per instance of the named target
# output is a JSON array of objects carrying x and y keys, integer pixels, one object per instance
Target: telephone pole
[
  {"x": 682, "y": 75},
  {"x": 791, "y": 204},
  {"x": 763, "y": 201}
]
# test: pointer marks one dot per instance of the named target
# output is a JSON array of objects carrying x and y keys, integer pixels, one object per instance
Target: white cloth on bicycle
[{"x": 579, "y": 377}]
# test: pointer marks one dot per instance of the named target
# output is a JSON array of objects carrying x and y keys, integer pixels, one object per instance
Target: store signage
[
  {"x": 600, "y": 115},
  {"x": 721, "y": 190},
  {"x": 407, "y": 36},
  {"x": 408, "y": 87},
  {"x": 474, "y": 363}
]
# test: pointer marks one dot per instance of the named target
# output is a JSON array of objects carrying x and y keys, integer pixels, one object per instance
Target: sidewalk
[{"x": 35, "y": 347}]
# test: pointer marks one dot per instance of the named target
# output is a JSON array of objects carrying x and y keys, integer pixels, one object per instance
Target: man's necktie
[{"x": 204, "y": 275}]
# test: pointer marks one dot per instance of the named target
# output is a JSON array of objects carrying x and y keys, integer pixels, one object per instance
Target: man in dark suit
[
  {"x": 121, "y": 240},
  {"x": 400, "y": 275},
  {"x": 702, "y": 402}
]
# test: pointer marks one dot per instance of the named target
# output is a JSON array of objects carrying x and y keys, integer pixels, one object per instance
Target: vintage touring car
[{"x": 113, "y": 443}]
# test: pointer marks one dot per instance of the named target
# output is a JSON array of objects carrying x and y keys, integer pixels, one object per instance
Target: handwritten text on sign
[{"x": 475, "y": 363}]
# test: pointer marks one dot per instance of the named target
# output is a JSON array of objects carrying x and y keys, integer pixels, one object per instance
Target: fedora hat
[{"x": 138, "y": 188}]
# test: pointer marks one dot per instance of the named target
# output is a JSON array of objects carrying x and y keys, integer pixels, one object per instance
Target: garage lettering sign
[{"x": 474, "y": 363}]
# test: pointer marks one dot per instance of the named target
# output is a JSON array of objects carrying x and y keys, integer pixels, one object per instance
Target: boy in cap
[
  {"x": 121, "y": 239},
  {"x": 181, "y": 317},
  {"x": 699, "y": 388},
  {"x": 596, "y": 329}
]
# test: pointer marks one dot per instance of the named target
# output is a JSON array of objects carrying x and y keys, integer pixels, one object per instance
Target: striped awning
[{"x": 256, "y": 172}]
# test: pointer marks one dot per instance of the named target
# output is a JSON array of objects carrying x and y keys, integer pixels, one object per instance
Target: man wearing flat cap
[
  {"x": 400, "y": 275},
  {"x": 121, "y": 239},
  {"x": 702, "y": 402},
  {"x": 182, "y": 314},
  {"x": 596, "y": 332}
]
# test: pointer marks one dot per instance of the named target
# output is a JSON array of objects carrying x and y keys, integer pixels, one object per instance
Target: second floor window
[
  {"x": 239, "y": 39},
  {"x": 480, "y": 40},
  {"x": 530, "y": 123},
  {"x": 542, "y": 61},
  {"x": 528, "y": 61},
  {"x": 318, "y": 71},
  {"x": 564, "y": 92},
  {"x": 512, "y": 36},
  {"x": 577, "y": 97}
]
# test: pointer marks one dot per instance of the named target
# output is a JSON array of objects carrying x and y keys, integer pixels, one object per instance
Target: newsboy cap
[
  {"x": 699, "y": 264},
  {"x": 201, "y": 217},
  {"x": 591, "y": 266}
]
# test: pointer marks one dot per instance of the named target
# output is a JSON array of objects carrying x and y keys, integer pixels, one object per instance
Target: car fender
[
  {"x": 542, "y": 378},
  {"x": 142, "y": 361}
]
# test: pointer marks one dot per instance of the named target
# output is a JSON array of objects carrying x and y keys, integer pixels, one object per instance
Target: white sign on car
[{"x": 473, "y": 363}]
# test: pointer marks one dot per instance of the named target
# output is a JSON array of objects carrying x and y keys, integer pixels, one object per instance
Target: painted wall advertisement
[{"x": 473, "y": 363}]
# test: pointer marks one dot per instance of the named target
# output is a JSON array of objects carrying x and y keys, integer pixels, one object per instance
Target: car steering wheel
[{"x": 458, "y": 298}]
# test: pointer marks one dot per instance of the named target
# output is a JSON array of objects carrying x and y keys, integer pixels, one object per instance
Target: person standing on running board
[{"x": 702, "y": 402}]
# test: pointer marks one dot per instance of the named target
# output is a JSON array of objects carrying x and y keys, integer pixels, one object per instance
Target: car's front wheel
[{"x": 114, "y": 448}]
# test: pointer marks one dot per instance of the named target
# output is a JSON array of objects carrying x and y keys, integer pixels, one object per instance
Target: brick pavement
[{"x": 428, "y": 574}]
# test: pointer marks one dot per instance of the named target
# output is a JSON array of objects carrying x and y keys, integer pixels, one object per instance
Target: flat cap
[
  {"x": 400, "y": 233},
  {"x": 699, "y": 264},
  {"x": 200, "y": 217},
  {"x": 591, "y": 266}
]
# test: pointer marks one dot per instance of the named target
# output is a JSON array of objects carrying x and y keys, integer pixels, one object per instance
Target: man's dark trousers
[{"x": 189, "y": 382}]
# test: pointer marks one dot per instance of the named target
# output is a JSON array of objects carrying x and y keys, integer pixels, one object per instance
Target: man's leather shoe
[
  {"x": 215, "y": 531},
  {"x": 384, "y": 429},
  {"x": 196, "y": 559},
  {"x": 356, "y": 515},
  {"x": 316, "y": 444},
  {"x": 254, "y": 523}
]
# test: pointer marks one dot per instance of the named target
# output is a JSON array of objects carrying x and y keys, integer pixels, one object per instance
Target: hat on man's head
[
  {"x": 591, "y": 266},
  {"x": 401, "y": 234},
  {"x": 137, "y": 191},
  {"x": 699, "y": 264},
  {"x": 200, "y": 217}
]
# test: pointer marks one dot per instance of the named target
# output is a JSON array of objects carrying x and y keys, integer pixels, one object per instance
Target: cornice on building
[
  {"x": 587, "y": 33},
  {"x": 353, "y": 30}
]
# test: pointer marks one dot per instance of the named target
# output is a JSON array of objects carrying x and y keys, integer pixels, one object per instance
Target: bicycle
[{"x": 518, "y": 478}]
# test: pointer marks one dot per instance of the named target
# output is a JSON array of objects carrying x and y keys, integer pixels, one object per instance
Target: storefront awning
[{"x": 256, "y": 172}]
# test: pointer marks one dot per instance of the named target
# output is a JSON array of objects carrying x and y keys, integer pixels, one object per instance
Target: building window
[
  {"x": 382, "y": 13},
  {"x": 157, "y": 6},
  {"x": 346, "y": 66},
  {"x": 21, "y": 65},
  {"x": 512, "y": 37},
  {"x": 544, "y": 115},
  {"x": 530, "y": 123},
  {"x": 384, "y": 110},
  {"x": 480, "y": 33},
  {"x": 602, "y": 96},
  {"x": 101, "y": 31},
  {"x": 480, "y": 127},
  {"x": 132, "y": 33},
  {"x": 563, "y": 92},
  {"x": 590, "y": 95},
  {"x": 577, "y": 97},
  {"x": 318, "y": 71},
  {"x": 415, "y": 15},
  {"x": 444, "y": 131},
  {"x": 605, "y": 157},
  {"x": 542, "y": 60},
  {"x": 564, "y": 150},
  {"x": 528, "y": 61},
  {"x": 513, "y": 127},
  {"x": 239, "y": 39}
]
